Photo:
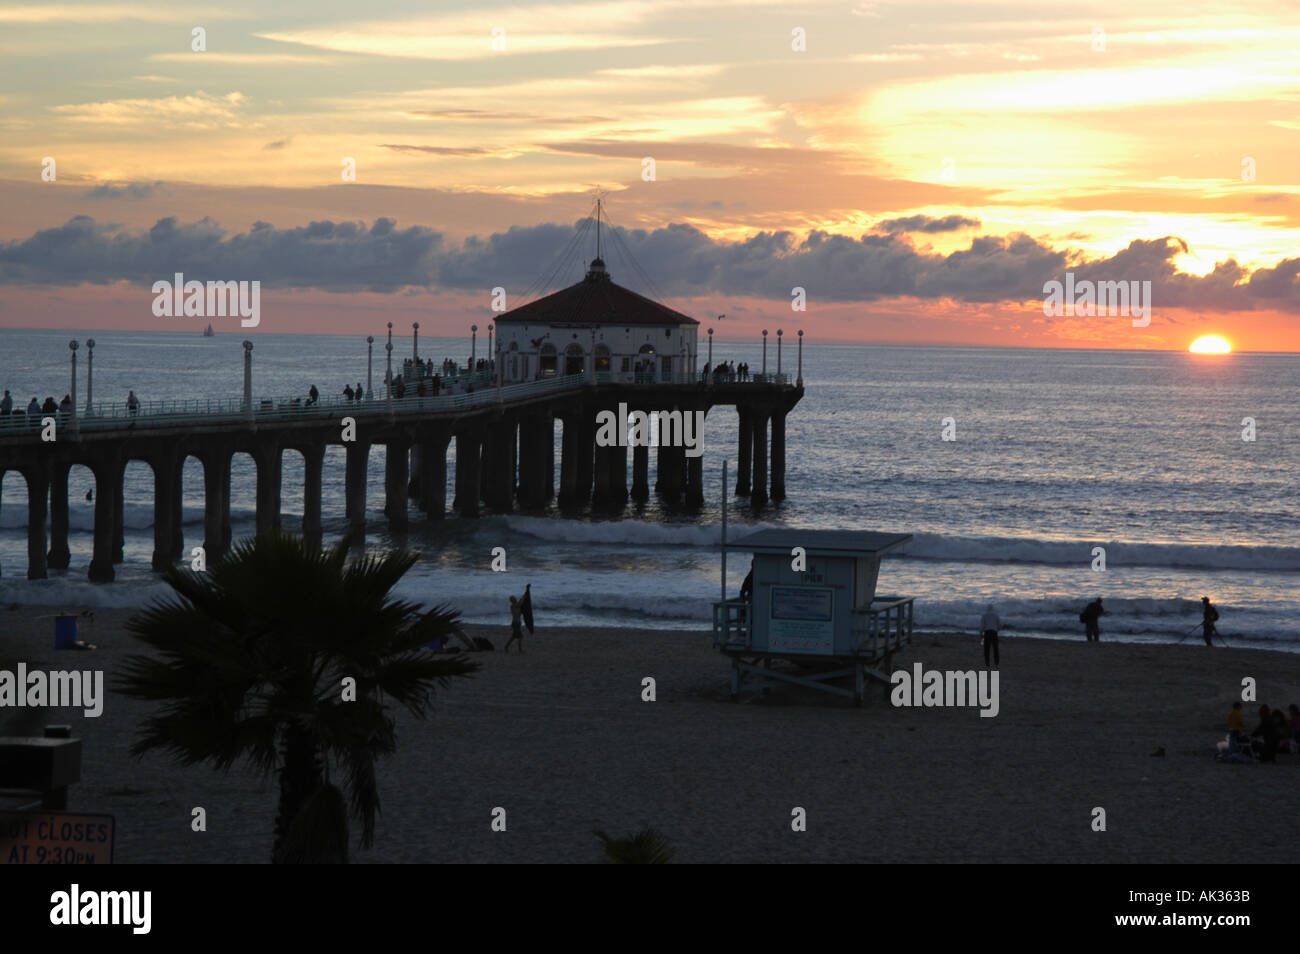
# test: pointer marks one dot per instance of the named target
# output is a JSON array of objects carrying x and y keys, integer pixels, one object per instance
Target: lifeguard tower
[{"x": 824, "y": 617}]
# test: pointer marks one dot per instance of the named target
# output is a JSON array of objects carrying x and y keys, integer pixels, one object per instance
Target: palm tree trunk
[{"x": 300, "y": 775}]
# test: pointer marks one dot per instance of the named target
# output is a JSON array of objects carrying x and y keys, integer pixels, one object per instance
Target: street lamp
[
  {"x": 490, "y": 351},
  {"x": 708, "y": 376},
  {"x": 90, "y": 371},
  {"x": 248, "y": 377},
  {"x": 370, "y": 351},
  {"x": 389, "y": 376},
  {"x": 779, "y": 333},
  {"x": 72, "y": 345},
  {"x": 415, "y": 341},
  {"x": 473, "y": 345},
  {"x": 764, "y": 352},
  {"x": 799, "y": 381}
]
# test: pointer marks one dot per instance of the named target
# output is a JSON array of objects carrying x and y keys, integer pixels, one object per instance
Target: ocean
[{"x": 1055, "y": 453}]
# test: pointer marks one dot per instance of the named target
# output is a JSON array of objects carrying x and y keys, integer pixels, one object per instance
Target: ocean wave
[{"x": 934, "y": 546}]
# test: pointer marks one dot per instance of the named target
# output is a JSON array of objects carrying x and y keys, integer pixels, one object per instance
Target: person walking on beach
[
  {"x": 1209, "y": 615},
  {"x": 1089, "y": 617},
  {"x": 516, "y": 630},
  {"x": 989, "y": 626}
]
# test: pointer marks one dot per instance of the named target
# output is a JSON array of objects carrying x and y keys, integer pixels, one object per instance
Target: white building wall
[{"x": 672, "y": 349}]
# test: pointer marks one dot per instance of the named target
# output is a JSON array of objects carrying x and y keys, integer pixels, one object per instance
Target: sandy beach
[{"x": 560, "y": 739}]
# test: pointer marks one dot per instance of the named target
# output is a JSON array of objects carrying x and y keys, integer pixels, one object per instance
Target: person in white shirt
[{"x": 989, "y": 626}]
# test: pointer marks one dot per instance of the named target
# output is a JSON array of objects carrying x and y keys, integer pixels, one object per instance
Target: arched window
[
  {"x": 574, "y": 362},
  {"x": 547, "y": 366}
]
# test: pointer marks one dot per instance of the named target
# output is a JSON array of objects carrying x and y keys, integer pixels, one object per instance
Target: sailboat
[{"x": 208, "y": 332}]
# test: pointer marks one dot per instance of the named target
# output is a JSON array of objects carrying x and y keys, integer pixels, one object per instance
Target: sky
[{"x": 866, "y": 170}]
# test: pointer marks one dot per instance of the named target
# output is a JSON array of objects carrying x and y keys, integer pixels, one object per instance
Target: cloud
[
  {"x": 926, "y": 223},
  {"x": 200, "y": 110},
  {"x": 132, "y": 190},
  {"x": 680, "y": 259}
]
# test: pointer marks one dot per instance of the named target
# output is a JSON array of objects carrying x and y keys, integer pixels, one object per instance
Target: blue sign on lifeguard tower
[{"x": 811, "y": 596}]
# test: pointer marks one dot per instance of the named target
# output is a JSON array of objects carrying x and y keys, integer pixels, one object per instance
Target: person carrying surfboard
[{"x": 521, "y": 612}]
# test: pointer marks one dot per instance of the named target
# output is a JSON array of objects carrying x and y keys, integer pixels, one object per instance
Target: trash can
[{"x": 65, "y": 632}]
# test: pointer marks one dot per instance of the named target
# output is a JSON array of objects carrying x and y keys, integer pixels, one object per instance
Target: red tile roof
[{"x": 596, "y": 300}]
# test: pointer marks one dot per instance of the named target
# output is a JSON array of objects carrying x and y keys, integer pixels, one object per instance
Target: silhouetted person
[
  {"x": 49, "y": 407},
  {"x": 1266, "y": 732},
  {"x": 312, "y": 396},
  {"x": 1090, "y": 616},
  {"x": 347, "y": 392},
  {"x": 90, "y": 495},
  {"x": 6, "y": 404},
  {"x": 66, "y": 404},
  {"x": 516, "y": 630},
  {"x": 132, "y": 403},
  {"x": 989, "y": 626},
  {"x": 360, "y": 392},
  {"x": 1209, "y": 615},
  {"x": 1236, "y": 725}
]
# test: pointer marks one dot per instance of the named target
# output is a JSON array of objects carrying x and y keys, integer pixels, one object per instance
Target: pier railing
[{"x": 235, "y": 410}]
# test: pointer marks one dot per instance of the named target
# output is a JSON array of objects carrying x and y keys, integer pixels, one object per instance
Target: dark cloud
[
  {"x": 131, "y": 190},
  {"x": 679, "y": 259},
  {"x": 273, "y": 146},
  {"x": 927, "y": 223}
]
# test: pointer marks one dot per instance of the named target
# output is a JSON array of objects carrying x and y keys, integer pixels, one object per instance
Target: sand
[{"x": 560, "y": 739}]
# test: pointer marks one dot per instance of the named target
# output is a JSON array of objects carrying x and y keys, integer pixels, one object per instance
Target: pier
[{"x": 505, "y": 456}]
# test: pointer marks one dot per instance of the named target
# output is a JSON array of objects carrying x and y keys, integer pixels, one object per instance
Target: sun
[{"x": 1210, "y": 344}]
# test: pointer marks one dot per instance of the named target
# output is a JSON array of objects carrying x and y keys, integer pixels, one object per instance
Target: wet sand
[{"x": 561, "y": 739}]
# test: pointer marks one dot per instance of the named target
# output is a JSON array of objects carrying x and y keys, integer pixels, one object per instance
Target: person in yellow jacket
[{"x": 1236, "y": 724}]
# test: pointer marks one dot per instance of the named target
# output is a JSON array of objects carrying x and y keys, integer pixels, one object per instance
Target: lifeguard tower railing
[{"x": 879, "y": 630}]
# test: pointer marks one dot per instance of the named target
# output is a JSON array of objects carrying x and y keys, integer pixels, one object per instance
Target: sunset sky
[{"x": 921, "y": 170}]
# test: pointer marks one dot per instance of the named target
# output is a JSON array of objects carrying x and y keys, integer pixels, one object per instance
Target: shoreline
[{"x": 561, "y": 739}]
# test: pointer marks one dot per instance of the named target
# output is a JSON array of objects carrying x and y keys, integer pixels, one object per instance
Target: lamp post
[
  {"x": 90, "y": 371},
  {"x": 72, "y": 345},
  {"x": 592, "y": 357},
  {"x": 799, "y": 380},
  {"x": 490, "y": 351},
  {"x": 473, "y": 345},
  {"x": 370, "y": 353},
  {"x": 708, "y": 376},
  {"x": 764, "y": 352},
  {"x": 415, "y": 342},
  {"x": 248, "y": 377},
  {"x": 388, "y": 400},
  {"x": 779, "y": 333}
]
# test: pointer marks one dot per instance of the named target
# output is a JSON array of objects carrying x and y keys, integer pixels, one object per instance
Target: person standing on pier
[
  {"x": 33, "y": 408},
  {"x": 360, "y": 393},
  {"x": 6, "y": 405},
  {"x": 312, "y": 396},
  {"x": 347, "y": 392},
  {"x": 132, "y": 403}
]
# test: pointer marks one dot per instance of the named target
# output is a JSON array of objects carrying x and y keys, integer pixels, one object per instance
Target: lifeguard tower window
[{"x": 826, "y": 608}]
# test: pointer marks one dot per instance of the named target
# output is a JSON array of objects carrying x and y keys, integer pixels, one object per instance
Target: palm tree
[
  {"x": 252, "y": 661},
  {"x": 646, "y": 847}
]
